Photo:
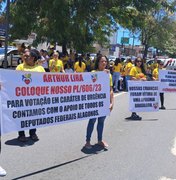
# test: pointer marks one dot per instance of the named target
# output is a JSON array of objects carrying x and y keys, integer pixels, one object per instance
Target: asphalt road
[{"x": 139, "y": 150}]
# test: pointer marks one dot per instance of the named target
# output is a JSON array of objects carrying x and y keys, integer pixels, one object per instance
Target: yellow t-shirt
[
  {"x": 153, "y": 66},
  {"x": 77, "y": 68},
  {"x": 65, "y": 59},
  {"x": 128, "y": 67},
  {"x": 55, "y": 65},
  {"x": 117, "y": 68},
  {"x": 88, "y": 62},
  {"x": 136, "y": 72},
  {"x": 155, "y": 73},
  {"x": 35, "y": 68}
]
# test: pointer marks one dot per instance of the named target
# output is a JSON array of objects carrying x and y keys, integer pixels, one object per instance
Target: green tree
[{"x": 76, "y": 23}]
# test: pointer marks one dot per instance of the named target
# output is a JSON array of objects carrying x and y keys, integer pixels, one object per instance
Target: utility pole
[{"x": 7, "y": 33}]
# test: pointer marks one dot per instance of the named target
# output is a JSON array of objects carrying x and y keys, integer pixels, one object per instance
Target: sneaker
[
  {"x": 2, "y": 172},
  {"x": 87, "y": 145},
  {"x": 103, "y": 144},
  {"x": 162, "y": 107},
  {"x": 34, "y": 137},
  {"x": 136, "y": 117},
  {"x": 22, "y": 138}
]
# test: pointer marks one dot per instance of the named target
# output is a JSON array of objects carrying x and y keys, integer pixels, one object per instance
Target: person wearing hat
[
  {"x": 31, "y": 57},
  {"x": 155, "y": 77}
]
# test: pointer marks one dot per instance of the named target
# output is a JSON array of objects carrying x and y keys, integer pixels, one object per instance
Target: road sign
[{"x": 124, "y": 40}]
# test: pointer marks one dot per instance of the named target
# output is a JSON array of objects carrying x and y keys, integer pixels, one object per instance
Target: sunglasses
[{"x": 139, "y": 61}]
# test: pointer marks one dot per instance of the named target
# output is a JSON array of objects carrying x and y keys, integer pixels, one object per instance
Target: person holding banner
[
  {"x": 100, "y": 65},
  {"x": 155, "y": 77},
  {"x": 2, "y": 171},
  {"x": 137, "y": 73},
  {"x": 31, "y": 57}
]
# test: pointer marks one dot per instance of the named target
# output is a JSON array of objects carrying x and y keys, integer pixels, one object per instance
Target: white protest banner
[
  {"x": 168, "y": 81},
  {"x": 143, "y": 96},
  {"x": 32, "y": 100}
]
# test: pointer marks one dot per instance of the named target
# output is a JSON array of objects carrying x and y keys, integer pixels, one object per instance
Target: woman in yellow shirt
[
  {"x": 127, "y": 69},
  {"x": 30, "y": 64},
  {"x": 55, "y": 64},
  {"x": 117, "y": 68},
  {"x": 79, "y": 66},
  {"x": 137, "y": 73},
  {"x": 100, "y": 65}
]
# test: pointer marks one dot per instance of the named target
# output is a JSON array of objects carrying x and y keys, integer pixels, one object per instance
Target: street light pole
[{"x": 7, "y": 33}]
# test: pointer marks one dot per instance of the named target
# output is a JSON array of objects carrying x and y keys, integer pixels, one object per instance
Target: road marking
[
  {"x": 173, "y": 149},
  {"x": 165, "y": 178}
]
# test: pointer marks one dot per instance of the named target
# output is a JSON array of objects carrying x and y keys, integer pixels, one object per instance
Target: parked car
[
  {"x": 111, "y": 58},
  {"x": 170, "y": 64},
  {"x": 93, "y": 56},
  {"x": 13, "y": 57}
]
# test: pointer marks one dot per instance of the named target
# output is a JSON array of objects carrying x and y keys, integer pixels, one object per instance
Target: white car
[
  {"x": 93, "y": 56},
  {"x": 13, "y": 57},
  {"x": 111, "y": 58}
]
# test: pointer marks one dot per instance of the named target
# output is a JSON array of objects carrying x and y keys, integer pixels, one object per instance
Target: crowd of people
[{"x": 120, "y": 72}]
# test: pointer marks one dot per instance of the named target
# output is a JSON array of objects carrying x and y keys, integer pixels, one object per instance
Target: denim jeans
[
  {"x": 115, "y": 79},
  {"x": 127, "y": 78},
  {"x": 100, "y": 126}
]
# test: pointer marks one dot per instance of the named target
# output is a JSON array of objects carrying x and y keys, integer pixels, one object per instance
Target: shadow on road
[
  {"x": 16, "y": 142},
  {"x": 94, "y": 150},
  {"x": 170, "y": 109},
  {"x": 127, "y": 120},
  {"x": 50, "y": 168}
]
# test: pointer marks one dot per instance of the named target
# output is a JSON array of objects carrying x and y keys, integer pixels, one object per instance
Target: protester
[
  {"x": 100, "y": 65},
  {"x": 30, "y": 64},
  {"x": 137, "y": 73},
  {"x": 68, "y": 67},
  {"x": 155, "y": 77},
  {"x": 2, "y": 171},
  {"x": 80, "y": 66},
  {"x": 117, "y": 68},
  {"x": 88, "y": 63},
  {"x": 127, "y": 68},
  {"x": 44, "y": 60},
  {"x": 55, "y": 64}
]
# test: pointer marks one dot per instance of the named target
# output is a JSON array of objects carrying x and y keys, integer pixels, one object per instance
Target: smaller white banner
[
  {"x": 168, "y": 81},
  {"x": 143, "y": 96}
]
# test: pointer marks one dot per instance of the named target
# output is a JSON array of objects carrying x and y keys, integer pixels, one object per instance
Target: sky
[{"x": 126, "y": 33}]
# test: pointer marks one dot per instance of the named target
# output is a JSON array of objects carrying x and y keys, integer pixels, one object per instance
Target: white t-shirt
[{"x": 70, "y": 70}]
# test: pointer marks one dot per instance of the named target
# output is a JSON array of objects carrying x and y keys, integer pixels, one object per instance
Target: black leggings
[{"x": 162, "y": 99}]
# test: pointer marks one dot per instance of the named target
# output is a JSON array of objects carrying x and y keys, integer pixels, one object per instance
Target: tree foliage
[
  {"x": 78, "y": 23},
  {"x": 154, "y": 24}
]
